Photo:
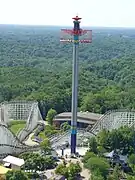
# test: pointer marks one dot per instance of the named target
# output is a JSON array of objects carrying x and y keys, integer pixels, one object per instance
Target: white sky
[{"x": 118, "y": 13}]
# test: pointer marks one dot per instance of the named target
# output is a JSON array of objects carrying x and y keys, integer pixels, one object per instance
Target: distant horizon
[{"x": 68, "y": 26}]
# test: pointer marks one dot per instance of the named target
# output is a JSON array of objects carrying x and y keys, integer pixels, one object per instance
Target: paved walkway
[
  {"x": 29, "y": 141},
  {"x": 80, "y": 150},
  {"x": 85, "y": 173}
]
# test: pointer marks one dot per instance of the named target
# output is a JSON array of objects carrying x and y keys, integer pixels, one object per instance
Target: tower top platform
[{"x": 76, "y": 18}]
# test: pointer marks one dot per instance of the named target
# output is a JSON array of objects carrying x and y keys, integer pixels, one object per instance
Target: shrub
[
  {"x": 87, "y": 156},
  {"x": 99, "y": 164}
]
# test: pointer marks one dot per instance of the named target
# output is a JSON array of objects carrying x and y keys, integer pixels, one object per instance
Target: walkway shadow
[{"x": 80, "y": 178}]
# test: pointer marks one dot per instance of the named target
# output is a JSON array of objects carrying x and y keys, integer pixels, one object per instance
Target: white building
[{"x": 13, "y": 162}]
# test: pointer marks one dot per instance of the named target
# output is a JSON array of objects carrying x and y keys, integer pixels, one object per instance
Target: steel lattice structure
[
  {"x": 110, "y": 120},
  {"x": 17, "y": 110}
]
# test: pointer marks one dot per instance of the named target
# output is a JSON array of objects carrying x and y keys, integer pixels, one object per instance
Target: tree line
[{"x": 35, "y": 66}]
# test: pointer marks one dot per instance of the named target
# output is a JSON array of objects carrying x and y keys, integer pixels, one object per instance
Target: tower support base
[{"x": 73, "y": 144}]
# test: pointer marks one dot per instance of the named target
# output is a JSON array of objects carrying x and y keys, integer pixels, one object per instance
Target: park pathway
[{"x": 29, "y": 141}]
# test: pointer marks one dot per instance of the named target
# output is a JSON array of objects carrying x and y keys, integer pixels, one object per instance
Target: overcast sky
[{"x": 118, "y": 13}]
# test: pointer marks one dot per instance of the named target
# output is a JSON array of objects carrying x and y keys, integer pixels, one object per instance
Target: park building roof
[
  {"x": 84, "y": 117},
  {"x": 4, "y": 170},
  {"x": 14, "y": 160}
]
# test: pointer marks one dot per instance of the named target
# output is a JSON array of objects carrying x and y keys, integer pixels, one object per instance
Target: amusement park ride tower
[{"x": 74, "y": 36}]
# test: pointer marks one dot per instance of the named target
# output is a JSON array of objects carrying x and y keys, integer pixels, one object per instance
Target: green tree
[
  {"x": 50, "y": 130},
  {"x": 32, "y": 175},
  {"x": 46, "y": 146},
  {"x": 115, "y": 139},
  {"x": 131, "y": 160},
  {"x": 15, "y": 175},
  {"x": 50, "y": 116},
  {"x": 60, "y": 169},
  {"x": 36, "y": 162},
  {"x": 130, "y": 177},
  {"x": 70, "y": 171},
  {"x": 122, "y": 138},
  {"x": 92, "y": 144},
  {"x": 97, "y": 163},
  {"x": 96, "y": 175},
  {"x": 116, "y": 173},
  {"x": 65, "y": 126},
  {"x": 45, "y": 76},
  {"x": 87, "y": 156},
  {"x": 74, "y": 169},
  {"x": 110, "y": 177},
  {"x": 101, "y": 150},
  {"x": 103, "y": 139}
]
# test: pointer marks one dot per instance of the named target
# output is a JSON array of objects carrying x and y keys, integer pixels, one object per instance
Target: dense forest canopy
[{"x": 34, "y": 65}]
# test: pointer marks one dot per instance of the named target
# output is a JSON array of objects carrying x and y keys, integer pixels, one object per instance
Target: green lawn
[{"x": 16, "y": 126}]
